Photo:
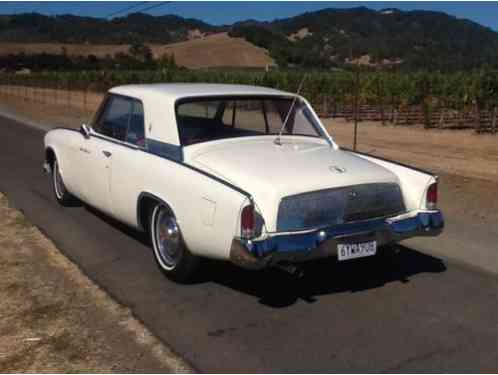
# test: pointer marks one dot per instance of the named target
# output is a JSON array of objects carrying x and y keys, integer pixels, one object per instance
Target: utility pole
[
  {"x": 356, "y": 93},
  {"x": 356, "y": 100}
]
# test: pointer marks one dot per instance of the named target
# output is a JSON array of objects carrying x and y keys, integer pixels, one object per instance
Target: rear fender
[{"x": 414, "y": 182}]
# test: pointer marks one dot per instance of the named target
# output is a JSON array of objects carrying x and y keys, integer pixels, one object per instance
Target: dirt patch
[
  {"x": 54, "y": 319},
  {"x": 300, "y": 34},
  {"x": 49, "y": 110},
  {"x": 217, "y": 50},
  {"x": 457, "y": 152}
]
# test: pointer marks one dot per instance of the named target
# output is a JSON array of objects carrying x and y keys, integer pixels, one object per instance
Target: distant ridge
[{"x": 326, "y": 38}]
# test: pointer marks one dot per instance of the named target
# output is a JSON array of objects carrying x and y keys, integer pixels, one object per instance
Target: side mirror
[{"x": 85, "y": 130}]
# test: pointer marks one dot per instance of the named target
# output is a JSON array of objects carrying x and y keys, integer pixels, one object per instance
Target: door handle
[
  {"x": 107, "y": 153},
  {"x": 84, "y": 150}
]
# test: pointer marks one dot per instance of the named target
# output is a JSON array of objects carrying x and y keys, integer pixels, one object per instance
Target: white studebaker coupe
[{"x": 240, "y": 173}]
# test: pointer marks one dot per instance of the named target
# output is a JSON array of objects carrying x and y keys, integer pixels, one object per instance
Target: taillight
[
  {"x": 247, "y": 222},
  {"x": 431, "y": 197}
]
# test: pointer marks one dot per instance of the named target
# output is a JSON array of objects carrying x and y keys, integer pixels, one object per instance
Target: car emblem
[{"x": 337, "y": 169}]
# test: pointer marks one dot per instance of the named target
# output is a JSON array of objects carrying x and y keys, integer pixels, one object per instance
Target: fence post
[
  {"x": 493, "y": 124},
  {"x": 441, "y": 118},
  {"x": 68, "y": 94},
  {"x": 477, "y": 118},
  {"x": 357, "y": 93},
  {"x": 57, "y": 91},
  {"x": 85, "y": 99}
]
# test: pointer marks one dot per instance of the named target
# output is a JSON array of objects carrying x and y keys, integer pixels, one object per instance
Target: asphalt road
[{"x": 417, "y": 313}]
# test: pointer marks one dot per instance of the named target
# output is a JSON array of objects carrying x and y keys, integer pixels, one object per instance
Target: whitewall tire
[{"x": 170, "y": 252}]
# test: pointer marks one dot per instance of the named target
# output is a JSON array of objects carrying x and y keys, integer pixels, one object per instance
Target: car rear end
[{"x": 346, "y": 222}]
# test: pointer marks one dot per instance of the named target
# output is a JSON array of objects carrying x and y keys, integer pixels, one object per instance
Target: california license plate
[{"x": 356, "y": 250}]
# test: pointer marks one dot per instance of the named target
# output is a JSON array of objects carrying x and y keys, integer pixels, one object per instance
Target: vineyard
[{"x": 434, "y": 100}]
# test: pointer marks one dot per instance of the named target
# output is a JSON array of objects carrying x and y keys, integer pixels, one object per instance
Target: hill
[
  {"x": 210, "y": 51},
  {"x": 414, "y": 39},
  {"x": 323, "y": 39},
  {"x": 34, "y": 27}
]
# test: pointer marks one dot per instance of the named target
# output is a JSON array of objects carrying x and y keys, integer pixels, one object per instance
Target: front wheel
[
  {"x": 170, "y": 252},
  {"x": 61, "y": 194}
]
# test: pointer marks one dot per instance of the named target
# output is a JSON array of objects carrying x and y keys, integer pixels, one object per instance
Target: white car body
[{"x": 208, "y": 184}]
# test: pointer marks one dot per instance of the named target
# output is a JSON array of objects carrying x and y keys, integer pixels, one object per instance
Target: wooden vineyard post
[
  {"x": 395, "y": 115},
  {"x": 382, "y": 114},
  {"x": 85, "y": 94},
  {"x": 56, "y": 89},
  {"x": 441, "y": 118},
  {"x": 356, "y": 99},
  {"x": 35, "y": 91},
  {"x": 43, "y": 93},
  {"x": 493, "y": 124},
  {"x": 477, "y": 118},
  {"x": 68, "y": 94}
]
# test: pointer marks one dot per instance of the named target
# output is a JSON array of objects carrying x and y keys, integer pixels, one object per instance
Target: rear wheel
[
  {"x": 170, "y": 252},
  {"x": 61, "y": 194}
]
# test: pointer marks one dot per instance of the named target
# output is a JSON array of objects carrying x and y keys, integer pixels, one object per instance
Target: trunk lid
[{"x": 271, "y": 172}]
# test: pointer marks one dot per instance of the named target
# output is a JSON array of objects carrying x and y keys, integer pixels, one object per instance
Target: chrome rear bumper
[{"x": 321, "y": 243}]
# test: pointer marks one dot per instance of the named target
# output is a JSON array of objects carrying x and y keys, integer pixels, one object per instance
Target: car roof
[
  {"x": 174, "y": 91},
  {"x": 159, "y": 100}
]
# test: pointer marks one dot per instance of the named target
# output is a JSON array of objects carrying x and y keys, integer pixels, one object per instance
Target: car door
[
  {"x": 108, "y": 134},
  {"x": 129, "y": 167}
]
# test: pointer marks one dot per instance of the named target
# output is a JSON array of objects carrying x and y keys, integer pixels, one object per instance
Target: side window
[
  {"x": 202, "y": 109},
  {"x": 136, "y": 128},
  {"x": 114, "y": 119}
]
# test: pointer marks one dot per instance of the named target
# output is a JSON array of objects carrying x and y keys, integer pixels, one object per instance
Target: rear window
[{"x": 207, "y": 119}]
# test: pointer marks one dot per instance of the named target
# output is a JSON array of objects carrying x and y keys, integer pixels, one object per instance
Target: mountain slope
[
  {"x": 33, "y": 27},
  {"x": 418, "y": 39}
]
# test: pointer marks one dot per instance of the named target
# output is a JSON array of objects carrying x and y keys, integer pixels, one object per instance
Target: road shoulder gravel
[{"x": 54, "y": 319}]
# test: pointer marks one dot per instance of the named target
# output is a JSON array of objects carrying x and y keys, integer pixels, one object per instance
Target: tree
[
  {"x": 140, "y": 51},
  {"x": 167, "y": 61}
]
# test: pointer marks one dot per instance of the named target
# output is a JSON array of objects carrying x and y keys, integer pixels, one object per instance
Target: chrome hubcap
[{"x": 167, "y": 238}]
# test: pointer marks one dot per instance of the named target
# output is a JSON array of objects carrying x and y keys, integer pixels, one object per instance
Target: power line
[
  {"x": 155, "y": 6},
  {"x": 126, "y": 9}
]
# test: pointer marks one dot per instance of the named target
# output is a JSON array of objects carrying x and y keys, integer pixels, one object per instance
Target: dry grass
[
  {"x": 54, "y": 319},
  {"x": 216, "y": 50}
]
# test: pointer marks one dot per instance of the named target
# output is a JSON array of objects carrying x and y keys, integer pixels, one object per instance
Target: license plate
[{"x": 356, "y": 250}]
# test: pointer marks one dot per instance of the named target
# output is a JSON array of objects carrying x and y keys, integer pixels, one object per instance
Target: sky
[{"x": 218, "y": 13}]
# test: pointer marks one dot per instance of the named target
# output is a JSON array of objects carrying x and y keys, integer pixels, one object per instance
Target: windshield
[{"x": 208, "y": 119}]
